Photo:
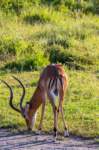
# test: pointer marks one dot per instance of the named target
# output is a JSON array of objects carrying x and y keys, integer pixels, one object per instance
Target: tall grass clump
[
  {"x": 34, "y": 16},
  {"x": 15, "y": 6},
  {"x": 27, "y": 57},
  {"x": 70, "y": 38}
]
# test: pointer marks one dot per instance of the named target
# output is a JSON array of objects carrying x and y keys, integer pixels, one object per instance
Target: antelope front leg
[{"x": 42, "y": 116}]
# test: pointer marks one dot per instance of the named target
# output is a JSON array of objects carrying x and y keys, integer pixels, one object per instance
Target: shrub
[
  {"x": 12, "y": 5},
  {"x": 11, "y": 46},
  {"x": 67, "y": 57},
  {"x": 17, "y": 5},
  {"x": 27, "y": 64},
  {"x": 27, "y": 54},
  {"x": 7, "y": 45},
  {"x": 36, "y": 18},
  {"x": 54, "y": 36}
]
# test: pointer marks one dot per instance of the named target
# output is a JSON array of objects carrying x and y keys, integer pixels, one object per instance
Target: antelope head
[{"x": 24, "y": 111}]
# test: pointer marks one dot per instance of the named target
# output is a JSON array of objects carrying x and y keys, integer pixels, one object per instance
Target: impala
[{"x": 52, "y": 83}]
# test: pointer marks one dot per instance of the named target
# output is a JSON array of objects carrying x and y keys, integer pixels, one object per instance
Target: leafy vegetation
[{"x": 35, "y": 33}]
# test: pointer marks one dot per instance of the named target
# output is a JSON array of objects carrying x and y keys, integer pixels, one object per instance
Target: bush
[
  {"x": 67, "y": 57},
  {"x": 54, "y": 36},
  {"x": 36, "y": 18},
  {"x": 12, "y": 5},
  {"x": 27, "y": 54},
  {"x": 17, "y": 5},
  {"x": 27, "y": 64},
  {"x": 7, "y": 45},
  {"x": 12, "y": 47}
]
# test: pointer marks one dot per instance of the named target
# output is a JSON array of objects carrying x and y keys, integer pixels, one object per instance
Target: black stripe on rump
[
  {"x": 51, "y": 83},
  {"x": 56, "y": 90}
]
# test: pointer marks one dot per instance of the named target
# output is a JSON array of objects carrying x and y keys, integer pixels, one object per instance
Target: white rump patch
[{"x": 51, "y": 90}]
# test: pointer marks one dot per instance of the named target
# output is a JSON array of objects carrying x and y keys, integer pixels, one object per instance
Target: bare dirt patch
[{"x": 31, "y": 141}]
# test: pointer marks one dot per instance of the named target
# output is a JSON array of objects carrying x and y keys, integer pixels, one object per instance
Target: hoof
[
  {"x": 29, "y": 129},
  {"x": 55, "y": 136},
  {"x": 38, "y": 132},
  {"x": 39, "y": 128},
  {"x": 66, "y": 134}
]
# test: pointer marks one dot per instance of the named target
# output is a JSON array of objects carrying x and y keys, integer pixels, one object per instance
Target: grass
[
  {"x": 81, "y": 105},
  {"x": 38, "y": 35},
  {"x": 73, "y": 35}
]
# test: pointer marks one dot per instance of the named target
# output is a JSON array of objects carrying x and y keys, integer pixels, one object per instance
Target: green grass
[
  {"x": 74, "y": 36},
  {"x": 81, "y": 104},
  {"x": 34, "y": 35}
]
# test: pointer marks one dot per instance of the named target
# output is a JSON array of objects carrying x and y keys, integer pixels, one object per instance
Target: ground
[{"x": 24, "y": 140}]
